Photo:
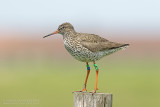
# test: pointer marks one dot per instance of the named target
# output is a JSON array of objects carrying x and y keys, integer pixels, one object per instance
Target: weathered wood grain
[{"x": 85, "y": 99}]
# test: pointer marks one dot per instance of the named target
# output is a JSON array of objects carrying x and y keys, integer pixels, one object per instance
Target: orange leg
[
  {"x": 88, "y": 71},
  {"x": 85, "y": 83},
  {"x": 97, "y": 70}
]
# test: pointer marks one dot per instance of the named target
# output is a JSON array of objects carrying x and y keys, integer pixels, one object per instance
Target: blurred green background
[
  {"x": 37, "y": 72},
  {"x": 51, "y": 78}
]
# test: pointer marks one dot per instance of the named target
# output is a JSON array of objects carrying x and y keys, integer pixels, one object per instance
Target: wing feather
[{"x": 96, "y": 43}]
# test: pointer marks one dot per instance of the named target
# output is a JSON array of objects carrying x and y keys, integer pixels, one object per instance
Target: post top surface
[{"x": 91, "y": 93}]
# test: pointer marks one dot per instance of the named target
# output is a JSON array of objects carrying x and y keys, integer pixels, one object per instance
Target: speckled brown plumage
[{"x": 86, "y": 47}]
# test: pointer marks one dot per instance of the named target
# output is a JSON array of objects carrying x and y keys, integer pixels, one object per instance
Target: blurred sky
[{"x": 109, "y": 15}]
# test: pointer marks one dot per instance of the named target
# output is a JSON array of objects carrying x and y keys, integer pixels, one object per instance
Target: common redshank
[{"x": 86, "y": 47}]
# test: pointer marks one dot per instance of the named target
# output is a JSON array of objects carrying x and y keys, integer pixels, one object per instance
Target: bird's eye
[{"x": 61, "y": 28}]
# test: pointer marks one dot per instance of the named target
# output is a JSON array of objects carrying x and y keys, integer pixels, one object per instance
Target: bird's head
[{"x": 65, "y": 27}]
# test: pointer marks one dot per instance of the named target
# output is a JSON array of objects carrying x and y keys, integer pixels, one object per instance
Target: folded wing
[{"x": 97, "y": 43}]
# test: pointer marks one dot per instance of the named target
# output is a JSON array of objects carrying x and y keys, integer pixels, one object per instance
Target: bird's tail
[{"x": 124, "y": 46}]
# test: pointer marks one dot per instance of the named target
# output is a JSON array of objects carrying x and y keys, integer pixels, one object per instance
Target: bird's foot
[
  {"x": 83, "y": 90},
  {"x": 94, "y": 91}
]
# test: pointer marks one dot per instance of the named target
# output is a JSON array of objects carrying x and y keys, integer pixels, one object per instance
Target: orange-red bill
[{"x": 51, "y": 34}]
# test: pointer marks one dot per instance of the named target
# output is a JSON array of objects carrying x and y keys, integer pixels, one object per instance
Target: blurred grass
[{"x": 133, "y": 83}]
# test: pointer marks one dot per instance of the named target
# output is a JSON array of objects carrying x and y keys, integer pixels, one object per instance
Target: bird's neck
[{"x": 70, "y": 34}]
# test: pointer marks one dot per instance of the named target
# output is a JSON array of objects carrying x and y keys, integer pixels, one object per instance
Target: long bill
[{"x": 51, "y": 34}]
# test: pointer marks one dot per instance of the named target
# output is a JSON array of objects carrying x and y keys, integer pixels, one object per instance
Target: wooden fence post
[{"x": 85, "y": 99}]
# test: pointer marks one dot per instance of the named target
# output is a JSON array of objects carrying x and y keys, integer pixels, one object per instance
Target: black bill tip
[{"x": 47, "y": 35}]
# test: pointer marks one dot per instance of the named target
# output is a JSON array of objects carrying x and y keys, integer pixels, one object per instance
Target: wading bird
[{"x": 86, "y": 47}]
